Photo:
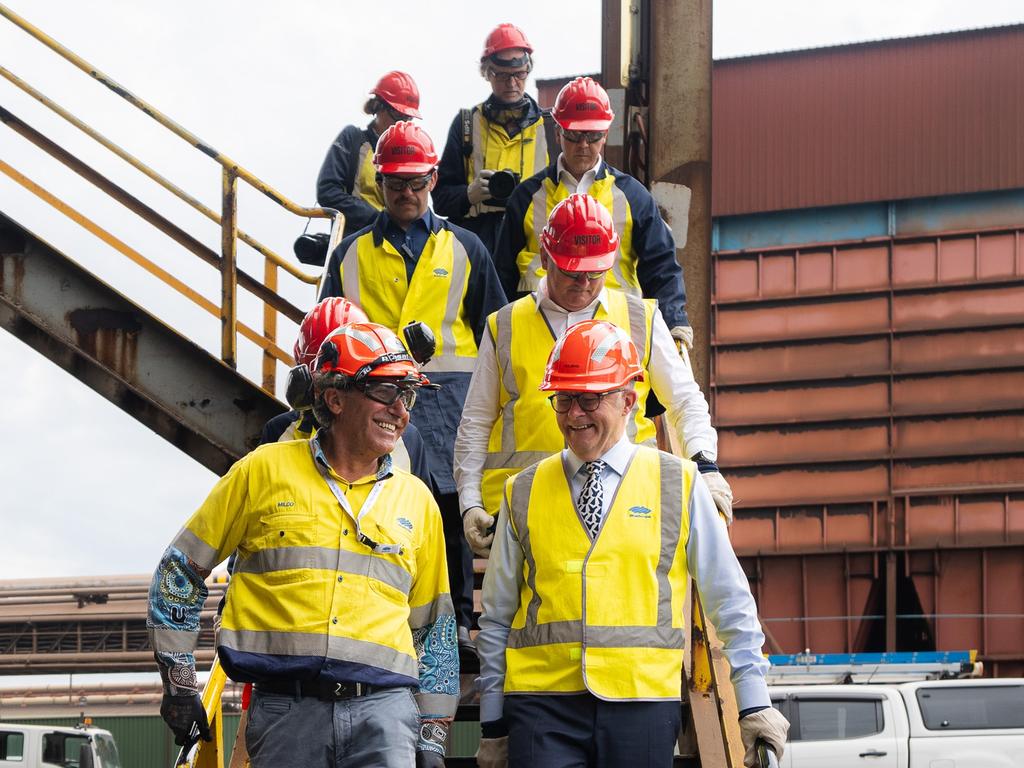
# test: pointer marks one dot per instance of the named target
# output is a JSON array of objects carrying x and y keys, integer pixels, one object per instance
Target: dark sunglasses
[
  {"x": 578, "y": 275},
  {"x": 589, "y": 401},
  {"x": 398, "y": 183},
  {"x": 386, "y": 393},
  {"x": 591, "y": 137}
]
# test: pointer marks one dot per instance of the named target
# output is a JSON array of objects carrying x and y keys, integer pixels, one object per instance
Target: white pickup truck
[
  {"x": 971, "y": 723},
  {"x": 43, "y": 746}
]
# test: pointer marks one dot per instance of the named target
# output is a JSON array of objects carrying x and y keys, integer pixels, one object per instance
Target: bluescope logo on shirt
[
  {"x": 405, "y": 523},
  {"x": 640, "y": 511},
  {"x": 440, "y": 272}
]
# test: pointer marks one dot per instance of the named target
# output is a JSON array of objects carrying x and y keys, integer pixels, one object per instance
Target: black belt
[{"x": 325, "y": 690}]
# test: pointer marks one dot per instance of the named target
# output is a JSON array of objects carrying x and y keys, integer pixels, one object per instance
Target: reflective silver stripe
[
  {"x": 596, "y": 637},
  {"x": 400, "y": 456},
  {"x": 638, "y": 334},
  {"x": 357, "y": 188},
  {"x": 198, "y": 550},
  {"x": 450, "y": 364},
  {"x": 311, "y": 644},
  {"x": 435, "y": 705},
  {"x": 620, "y": 208},
  {"x": 540, "y": 148},
  {"x": 514, "y": 459},
  {"x": 521, "y": 488},
  {"x": 172, "y": 640},
  {"x": 671, "y": 478},
  {"x": 448, "y": 360},
  {"x": 529, "y": 281},
  {"x": 326, "y": 559},
  {"x": 425, "y": 615},
  {"x": 350, "y": 271},
  {"x": 503, "y": 355}
]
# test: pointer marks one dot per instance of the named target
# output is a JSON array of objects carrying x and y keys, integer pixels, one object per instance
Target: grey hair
[{"x": 321, "y": 383}]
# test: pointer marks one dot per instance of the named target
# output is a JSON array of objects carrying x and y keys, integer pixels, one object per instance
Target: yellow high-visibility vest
[
  {"x": 603, "y": 616},
  {"x": 365, "y": 184},
  {"x": 374, "y": 277},
  {"x": 526, "y": 431},
  {"x": 526, "y": 153}
]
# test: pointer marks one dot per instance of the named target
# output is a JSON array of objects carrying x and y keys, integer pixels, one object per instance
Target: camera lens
[{"x": 502, "y": 183}]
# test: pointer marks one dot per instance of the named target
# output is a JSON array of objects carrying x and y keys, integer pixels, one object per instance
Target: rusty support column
[
  {"x": 228, "y": 268},
  {"x": 679, "y": 155},
  {"x": 890, "y": 601}
]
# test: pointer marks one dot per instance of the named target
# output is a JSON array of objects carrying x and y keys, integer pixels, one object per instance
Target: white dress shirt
[
  {"x": 710, "y": 560},
  {"x": 671, "y": 381},
  {"x": 571, "y": 183}
]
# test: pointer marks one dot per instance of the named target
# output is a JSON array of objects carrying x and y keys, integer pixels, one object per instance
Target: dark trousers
[
  {"x": 460, "y": 558},
  {"x": 582, "y": 731}
]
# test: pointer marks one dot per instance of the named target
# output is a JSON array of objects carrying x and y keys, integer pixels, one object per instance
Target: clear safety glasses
[
  {"x": 386, "y": 393},
  {"x": 519, "y": 75},
  {"x": 398, "y": 183}
]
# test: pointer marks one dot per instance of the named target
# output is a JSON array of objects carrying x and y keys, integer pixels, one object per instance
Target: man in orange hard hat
[
  {"x": 645, "y": 261},
  {"x": 347, "y": 176},
  {"x": 412, "y": 265},
  {"x": 338, "y": 610},
  {"x": 581, "y": 635},
  {"x": 497, "y": 143},
  {"x": 507, "y": 423}
]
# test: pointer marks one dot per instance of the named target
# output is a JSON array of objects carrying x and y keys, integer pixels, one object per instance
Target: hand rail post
[
  {"x": 269, "y": 327},
  {"x": 229, "y": 267}
]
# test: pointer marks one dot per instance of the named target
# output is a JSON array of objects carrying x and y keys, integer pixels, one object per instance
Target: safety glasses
[
  {"x": 395, "y": 115},
  {"x": 386, "y": 393},
  {"x": 578, "y": 275},
  {"x": 588, "y": 401},
  {"x": 518, "y": 75},
  {"x": 591, "y": 137},
  {"x": 398, "y": 183}
]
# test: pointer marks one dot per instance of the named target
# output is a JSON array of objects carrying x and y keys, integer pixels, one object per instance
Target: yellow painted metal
[
  {"x": 142, "y": 261},
  {"x": 162, "y": 181},
  {"x": 228, "y": 268},
  {"x": 209, "y": 754},
  {"x": 269, "y": 326}
]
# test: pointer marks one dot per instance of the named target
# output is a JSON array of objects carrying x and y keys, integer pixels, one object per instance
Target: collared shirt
[
  {"x": 710, "y": 560},
  {"x": 410, "y": 241},
  {"x": 671, "y": 381},
  {"x": 570, "y": 182}
]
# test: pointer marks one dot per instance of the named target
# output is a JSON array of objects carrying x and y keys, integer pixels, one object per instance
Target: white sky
[{"x": 86, "y": 490}]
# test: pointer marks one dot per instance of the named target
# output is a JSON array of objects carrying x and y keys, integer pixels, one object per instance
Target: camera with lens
[{"x": 501, "y": 184}]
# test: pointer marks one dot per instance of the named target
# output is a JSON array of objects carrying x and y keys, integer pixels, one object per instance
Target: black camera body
[{"x": 501, "y": 184}]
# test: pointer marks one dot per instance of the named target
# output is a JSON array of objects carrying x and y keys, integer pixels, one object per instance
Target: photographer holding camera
[{"x": 494, "y": 145}]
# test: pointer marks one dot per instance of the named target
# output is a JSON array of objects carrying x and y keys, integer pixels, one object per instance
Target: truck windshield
[
  {"x": 970, "y": 707},
  {"x": 107, "y": 752}
]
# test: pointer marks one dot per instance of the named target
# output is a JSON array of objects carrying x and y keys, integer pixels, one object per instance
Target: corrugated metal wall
[
  {"x": 869, "y": 398},
  {"x": 914, "y": 117}
]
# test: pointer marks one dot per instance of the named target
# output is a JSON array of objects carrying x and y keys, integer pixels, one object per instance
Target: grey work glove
[
  {"x": 721, "y": 493},
  {"x": 476, "y": 524},
  {"x": 479, "y": 190},
  {"x": 492, "y": 753},
  {"x": 430, "y": 745},
  {"x": 767, "y": 724},
  {"x": 683, "y": 336},
  {"x": 181, "y": 713}
]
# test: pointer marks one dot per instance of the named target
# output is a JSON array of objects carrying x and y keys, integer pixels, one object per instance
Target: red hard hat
[
  {"x": 359, "y": 350},
  {"x": 320, "y": 321},
  {"x": 582, "y": 105},
  {"x": 502, "y": 38},
  {"x": 400, "y": 92},
  {"x": 580, "y": 235},
  {"x": 405, "y": 148},
  {"x": 592, "y": 356}
]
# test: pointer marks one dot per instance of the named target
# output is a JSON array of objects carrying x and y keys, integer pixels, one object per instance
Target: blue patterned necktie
[{"x": 591, "y": 498}]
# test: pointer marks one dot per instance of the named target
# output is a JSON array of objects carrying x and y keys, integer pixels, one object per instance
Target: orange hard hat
[
  {"x": 400, "y": 92},
  {"x": 592, "y": 356},
  {"x": 505, "y": 37},
  {"x": 405, "y": 148},
  {"x": 583, "y": 105},
  {"x": 359, "y": 350},
  {"x": 320, "y": 321},
  {"x": 580, "y": 235}
]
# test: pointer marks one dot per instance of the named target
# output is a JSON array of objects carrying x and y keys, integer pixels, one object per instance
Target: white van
[{"x": 39, "y": 746}]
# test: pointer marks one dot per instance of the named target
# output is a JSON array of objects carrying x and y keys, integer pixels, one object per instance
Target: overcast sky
[{"x": 84, "y": 489}]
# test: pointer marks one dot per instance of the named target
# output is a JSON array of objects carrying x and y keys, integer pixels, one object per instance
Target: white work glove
[
  {"x": 475, "y": 524},
  {"x": 720, "y": 492},
  {"x": 767, "y": 724},
  {"x": 479, "y": 190},
  {"x": 492, "y": 753},
  {"x": 683, "y": 335}
]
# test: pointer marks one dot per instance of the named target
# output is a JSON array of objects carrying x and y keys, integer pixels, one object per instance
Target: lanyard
[{"x": 380, "y": 549}]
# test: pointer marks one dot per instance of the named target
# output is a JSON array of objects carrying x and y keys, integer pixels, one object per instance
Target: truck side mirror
[{"x": 85, "y": 756}]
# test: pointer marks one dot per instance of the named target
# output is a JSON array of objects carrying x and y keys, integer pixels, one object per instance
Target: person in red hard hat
[
  {"x": 507, "y": 423},
  {"x": 338, "y": 610},
  {"x": 495, "y": 144},
  {"x": 346, "y": 180},
  {"x": 645, "y": 262},
  {"x": 412, "y": 265},
  {"x": 582, "y": 631}
]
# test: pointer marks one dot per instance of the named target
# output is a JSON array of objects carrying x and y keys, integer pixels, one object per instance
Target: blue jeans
[{"x": 367, "y": 731}]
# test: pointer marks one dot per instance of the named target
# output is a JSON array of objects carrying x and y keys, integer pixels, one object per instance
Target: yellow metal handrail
[{"x": 228, "y": 218}]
